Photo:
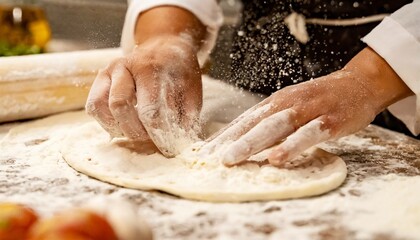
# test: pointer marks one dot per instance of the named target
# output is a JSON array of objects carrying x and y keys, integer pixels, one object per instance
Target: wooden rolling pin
[{"x": 39, "y": 85}]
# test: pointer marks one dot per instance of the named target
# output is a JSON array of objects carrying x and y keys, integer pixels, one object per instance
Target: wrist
[
  {"x": 383, "y": 84},
  {"x": 185, "y": 42},
  {"x": 170, "y": 22}
]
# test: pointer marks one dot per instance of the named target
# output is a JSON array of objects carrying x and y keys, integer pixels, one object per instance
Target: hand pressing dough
[{"x": 88, "y": 150}]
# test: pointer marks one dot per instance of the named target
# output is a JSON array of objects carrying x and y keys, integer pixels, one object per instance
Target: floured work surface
[
  {"x": 379, "y": 200},
  {"x": 88, "y": 150}
]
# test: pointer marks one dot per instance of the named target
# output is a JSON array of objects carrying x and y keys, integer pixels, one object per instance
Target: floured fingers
[
  {"x": 248, "y": 137},
  {"x": 122, "y": 102},
  {"x": 265, "y": 134},
  {"x": 97, "y": 104},
  {"x": 155, "y": 113},
  {"x": 238, "y": 127},
  {"x": 112, "y": 102},
  {"x": 310, "y": 134}
]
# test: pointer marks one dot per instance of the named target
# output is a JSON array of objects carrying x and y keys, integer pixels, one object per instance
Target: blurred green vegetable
[{"x": 8, "y": 50}]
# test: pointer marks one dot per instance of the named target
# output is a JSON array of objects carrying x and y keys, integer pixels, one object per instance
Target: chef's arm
[
  {"x": 397, "y": 40},
  {"x": 169, "y": 21},
  {"x": 385, "y": 85},
  {"x": 154, "y": 17}
]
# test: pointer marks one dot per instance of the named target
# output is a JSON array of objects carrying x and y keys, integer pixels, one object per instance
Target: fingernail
[
  {"x": 229, "y": 157},
  {"x": 236, "y": 152}
]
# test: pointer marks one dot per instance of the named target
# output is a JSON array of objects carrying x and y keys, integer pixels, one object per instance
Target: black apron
[{"x": 266, "y": 57}]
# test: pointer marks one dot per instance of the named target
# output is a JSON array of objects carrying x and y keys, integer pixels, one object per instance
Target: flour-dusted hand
[
  {"x": 154, "y": 93},
  {"x": 153, "y": 90},
  {"x": 309, "y": 113},
  {"x": 303, "y": 115}
]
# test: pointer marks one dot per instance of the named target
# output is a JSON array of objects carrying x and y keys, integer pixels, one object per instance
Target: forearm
[
  {"x": 375, "y": 73},
  {"x": 169, "y": 21}
]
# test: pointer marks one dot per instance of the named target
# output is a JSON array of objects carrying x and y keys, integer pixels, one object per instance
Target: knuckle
[
  {"x": 117, "y": 62},
  {"x": 121, "y": 64},
  {"x": 326, "y": 121},
  {"x": 149, "y": 112},
  {"x": 107, "y": 69},
  {"x": 93, "y": 106},
  {"x": 102, "y": 72},
  {"x": 157, "y": 65},
  {"x": 114, "y": 64},
  {"x": 330, "y": 123},
  {"x": 146, "y": 69},
  {"x": 118, "y": 103}
]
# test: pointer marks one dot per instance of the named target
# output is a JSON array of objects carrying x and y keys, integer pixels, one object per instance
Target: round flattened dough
[{"x": 88, "y": 150}]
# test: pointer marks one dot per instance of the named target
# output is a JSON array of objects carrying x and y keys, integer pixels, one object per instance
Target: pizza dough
[{"x": 88, "y": 150}]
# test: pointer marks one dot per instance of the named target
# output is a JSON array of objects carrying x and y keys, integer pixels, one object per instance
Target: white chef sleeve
[
  {"x": 397, "y": 40},
  {"x": 207, "y": 11}
]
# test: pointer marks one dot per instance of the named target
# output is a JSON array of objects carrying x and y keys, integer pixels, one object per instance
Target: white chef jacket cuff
[
  {"x": 401, "y": 50},
  {"x": 207, "y": 11}
]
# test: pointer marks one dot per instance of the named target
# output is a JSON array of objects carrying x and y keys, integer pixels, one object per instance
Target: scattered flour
[
  {"x": 389, "y": 204},
  {"x": 365, "y": 207},
  {"x": 356, "y": 141}
]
